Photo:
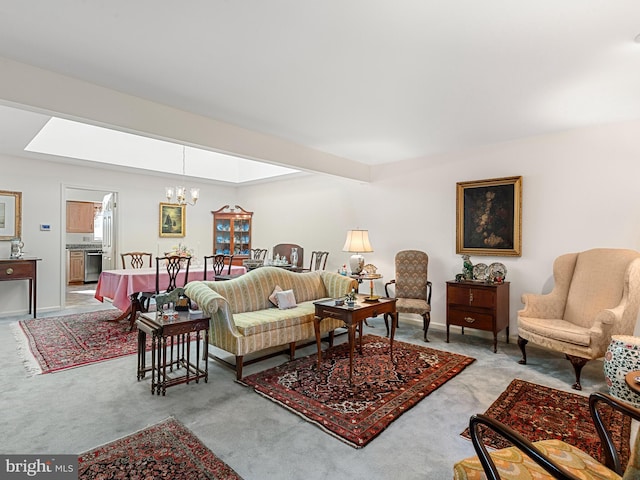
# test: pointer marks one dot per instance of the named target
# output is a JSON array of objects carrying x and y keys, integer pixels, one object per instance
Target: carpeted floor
[
  {"x": 167, "y": 450},
  {"x": 540, "y": 413},
  {"x": 57, "y": 343},
  {"x": 380, "y": 391}
]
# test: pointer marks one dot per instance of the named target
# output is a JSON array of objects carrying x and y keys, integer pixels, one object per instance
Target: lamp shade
[{"x": 357, "y": 241}]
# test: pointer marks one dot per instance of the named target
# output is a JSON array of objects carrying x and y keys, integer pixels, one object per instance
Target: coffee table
[
  {"x": 168, "y": 335},
  {"x": 353, "y": 317}
]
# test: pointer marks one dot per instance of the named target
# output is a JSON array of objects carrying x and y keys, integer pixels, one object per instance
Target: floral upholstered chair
[
  {"x": 412, "y": 288},
  {"x": 596, "y": 295},
  {"x": 549, "y": 459}
]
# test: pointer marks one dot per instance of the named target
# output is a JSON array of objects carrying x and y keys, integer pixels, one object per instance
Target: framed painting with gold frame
[
  {"x": 489, "y": 217},
  {"x": 172, "y": 220},
  {"x": 10, "y": 215}
]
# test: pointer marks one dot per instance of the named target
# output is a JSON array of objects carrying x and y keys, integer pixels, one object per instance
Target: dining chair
[
  {"x": 173, "y": 265},
  {"x": 287, "y": 250},
  {"x": 218, "y": 263},
  {"x": 258, "y": 253},
  {"x": 136, "y": 259},
  {"x": 318, "y": 261}
]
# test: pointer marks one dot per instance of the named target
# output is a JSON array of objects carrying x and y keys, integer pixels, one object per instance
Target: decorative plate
[
  {"x": 480, "y": 271},
  {"x": 497, "y": 270}
]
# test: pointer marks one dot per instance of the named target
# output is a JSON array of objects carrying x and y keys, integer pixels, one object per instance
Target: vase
[
  {"x": 622, "y": 357},
  {"x": 294, "y": 256}
]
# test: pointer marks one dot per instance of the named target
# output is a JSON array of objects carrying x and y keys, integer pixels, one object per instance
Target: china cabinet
[{"x": 232, "y": 233}]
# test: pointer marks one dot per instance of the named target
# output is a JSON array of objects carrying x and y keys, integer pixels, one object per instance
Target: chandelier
[{"x": 180, "y": 192}]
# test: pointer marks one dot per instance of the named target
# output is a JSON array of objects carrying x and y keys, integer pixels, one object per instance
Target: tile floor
[{"x": 81, "y": 295}]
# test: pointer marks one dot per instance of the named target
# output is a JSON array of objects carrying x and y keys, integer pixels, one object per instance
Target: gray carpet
[{"x": 78, "y": 409}]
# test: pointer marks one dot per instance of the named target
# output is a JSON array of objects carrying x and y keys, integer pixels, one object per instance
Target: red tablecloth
[{"x": 119, "y": 285}]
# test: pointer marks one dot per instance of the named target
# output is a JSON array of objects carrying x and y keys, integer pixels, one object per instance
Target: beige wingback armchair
[{"x": 596, "y": 295}]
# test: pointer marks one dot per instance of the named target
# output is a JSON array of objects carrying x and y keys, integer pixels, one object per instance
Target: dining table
[{"x": 123, "y": 286}]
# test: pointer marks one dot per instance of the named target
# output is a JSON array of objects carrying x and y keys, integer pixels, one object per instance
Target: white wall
[
  {"x": 42, "y": 185},
  {"x": 579, "y": 192}
]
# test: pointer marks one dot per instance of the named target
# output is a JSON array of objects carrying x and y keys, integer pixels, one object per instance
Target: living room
[{"x": 579, "y": 183}]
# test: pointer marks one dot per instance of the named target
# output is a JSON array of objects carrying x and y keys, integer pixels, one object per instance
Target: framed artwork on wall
[
  {"x": 489, "y": 217},
  {"x": 10, "y": 215},
  {"x": 172, "y": 220}
]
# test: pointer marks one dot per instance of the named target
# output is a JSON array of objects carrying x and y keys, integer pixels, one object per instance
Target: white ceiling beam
[{"x": 40, "y": 90}]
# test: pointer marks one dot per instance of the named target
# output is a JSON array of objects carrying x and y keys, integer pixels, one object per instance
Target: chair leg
[
  {"x": 522, "y": 343},
  {"x": 578, "y": 363},
  {"x": 426, "y": 320}
]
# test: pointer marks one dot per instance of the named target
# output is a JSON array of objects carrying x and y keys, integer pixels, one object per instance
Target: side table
[
  {"x": 353, "y": 317},
  {"x": 173, "y": 336}
]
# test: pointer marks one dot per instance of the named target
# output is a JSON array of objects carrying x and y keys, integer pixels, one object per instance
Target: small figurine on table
[{"x": 467, "y": 267}]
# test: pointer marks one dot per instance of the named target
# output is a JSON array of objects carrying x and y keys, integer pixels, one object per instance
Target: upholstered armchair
[
  {"x": 596, "y": 295},
  {"x": 412, "y": 289},
  {"x": 549, "y": 459}
]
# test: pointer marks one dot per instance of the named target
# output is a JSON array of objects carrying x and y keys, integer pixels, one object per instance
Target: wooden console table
[
  {"x": 22, "y": 269},
  {"x": 478, "y": 305}
]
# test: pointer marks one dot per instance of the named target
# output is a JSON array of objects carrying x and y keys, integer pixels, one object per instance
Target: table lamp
[{"x": 357, "y": 242}]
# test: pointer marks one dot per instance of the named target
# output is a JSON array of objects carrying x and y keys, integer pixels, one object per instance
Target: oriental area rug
[
  {"x": 166, "y": 450},
  {"x": 52, "y": 344},
  {"x": 541, "y": 413},
  {"x": 380, "y": 391}
]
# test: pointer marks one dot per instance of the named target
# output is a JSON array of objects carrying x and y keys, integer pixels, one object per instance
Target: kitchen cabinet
[
  {"x": 232, "y": 233},
  {"x": 478, "y": 305},
  {"x": 76, "y": 267},
  {"x": 80, "y": 216}
]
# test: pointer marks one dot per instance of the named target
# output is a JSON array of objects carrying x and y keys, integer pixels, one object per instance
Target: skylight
[{"x": 77, "y": 140}]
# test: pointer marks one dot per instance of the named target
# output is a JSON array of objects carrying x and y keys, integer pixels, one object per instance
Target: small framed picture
[
  {"x": 172, "y": 220},
  {"x": 10, "y": 215},
  {"x": 489, "y": 217}
]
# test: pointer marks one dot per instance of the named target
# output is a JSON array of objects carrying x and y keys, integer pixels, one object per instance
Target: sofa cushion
[
  {"x": 557, "y": 329},
  {"x": 273, "y": 298},
  {"x": 253, "y": 323}
]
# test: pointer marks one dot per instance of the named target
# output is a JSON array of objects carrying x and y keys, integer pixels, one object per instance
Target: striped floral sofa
[{"x": 244, "y": 321}]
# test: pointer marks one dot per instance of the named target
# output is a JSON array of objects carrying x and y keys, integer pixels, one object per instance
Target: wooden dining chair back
[
  {"x": 218, "y": 264},
  {"x": 286, "y": 250},
  {"x": 318, "y": 261},
  {"x": 173, "y": 264},
  {"x": 258, "y": 253},
  {"x": 136, "y": 259}
]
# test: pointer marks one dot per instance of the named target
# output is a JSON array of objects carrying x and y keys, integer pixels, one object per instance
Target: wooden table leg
[
  {"x": 352, "y": 341},
  {"x": 316, "y": 327},
  {"x": 394, "y": 320}
]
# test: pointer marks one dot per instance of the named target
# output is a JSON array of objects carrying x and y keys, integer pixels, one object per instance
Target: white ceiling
[{"x": 373, "y": 81}]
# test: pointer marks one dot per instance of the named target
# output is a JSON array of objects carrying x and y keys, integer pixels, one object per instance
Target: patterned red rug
[
  {"x": 165, "y": 450},
  {"x": 540, "y": 413},
  {"x": 59, "y": 343},
  {"x": 381, "y": 391}
]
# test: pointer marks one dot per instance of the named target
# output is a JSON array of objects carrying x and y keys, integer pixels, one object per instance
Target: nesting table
[{"x": 171, "y": 356}]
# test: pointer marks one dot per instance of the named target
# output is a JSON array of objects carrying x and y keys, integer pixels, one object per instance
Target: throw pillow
[
  {"x": 272, "y": 298},
  {"x": 286, "y": 299}
]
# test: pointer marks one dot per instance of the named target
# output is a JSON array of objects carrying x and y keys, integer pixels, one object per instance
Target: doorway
[{"x": 95, "y": 246}]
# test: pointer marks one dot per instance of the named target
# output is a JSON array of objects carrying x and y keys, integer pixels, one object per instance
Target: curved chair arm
[
  {"x": 517, "y": 440},
  {"x": 392, "y": 282},
  {"x": 612, "y": 458},
  {"x": 386, "y": 287}
]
